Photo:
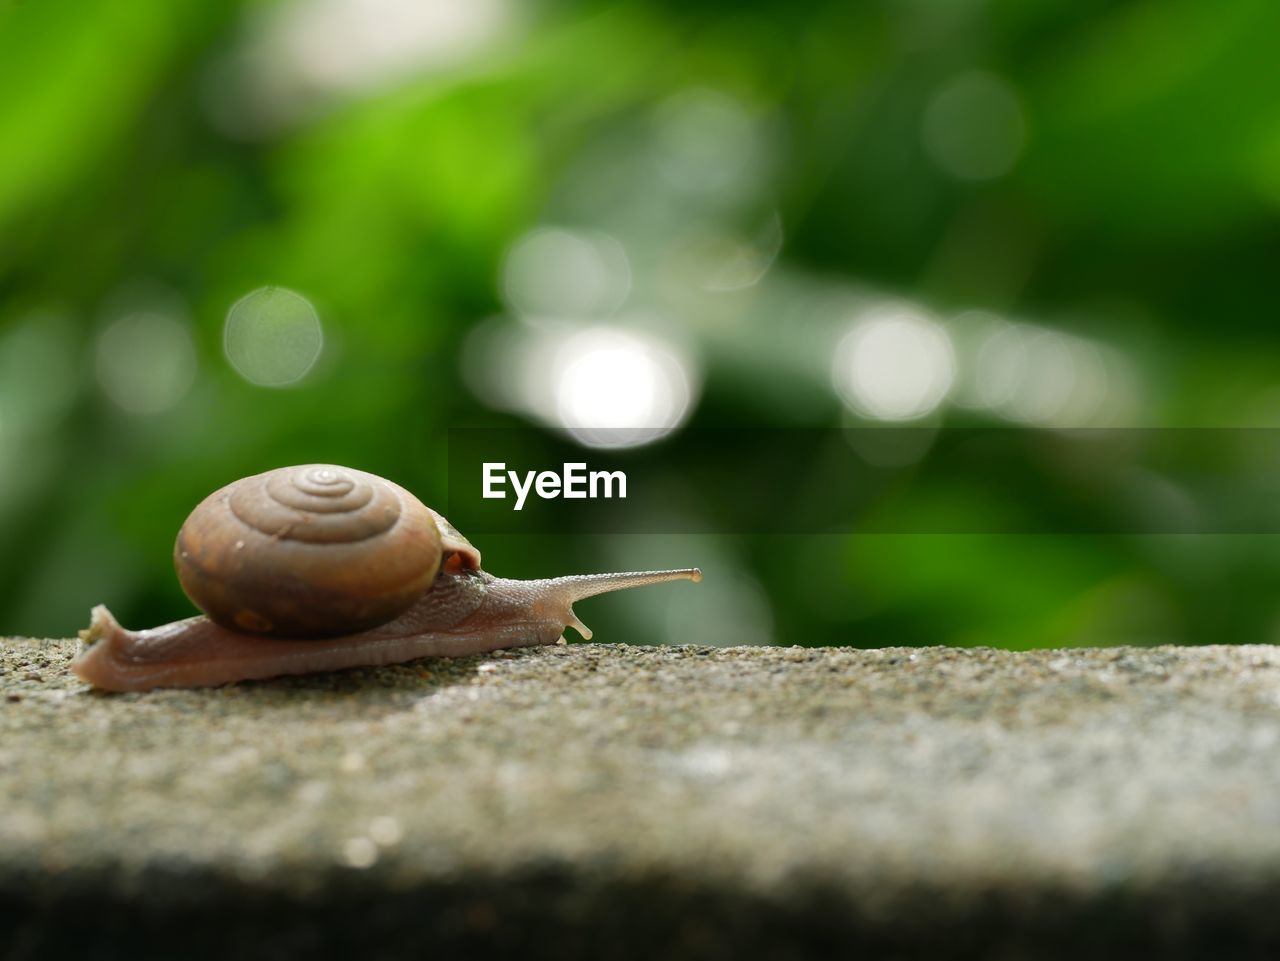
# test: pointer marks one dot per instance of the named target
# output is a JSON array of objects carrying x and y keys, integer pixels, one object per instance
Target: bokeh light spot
[
  {"x": 360, "y": 853},
  {"x": 974, "y": 127},
  {"x": 273, "y": 336},
  {"x": 706, "y": 141},
  {"x": 297, "y": 56},
  {"x": 719, "y": 260},
  {"x": 38, "y": 380},
  {"x": 1048, "y": 377},
  {"x": 615, "y": 388},
  {"x": 558, "y": 273},
  {"x": 146, "y": 362},
  {"x": 894, "y": 364},
  {"x": 345, "y": 44},
  {"x": 1044, "y": 377}
]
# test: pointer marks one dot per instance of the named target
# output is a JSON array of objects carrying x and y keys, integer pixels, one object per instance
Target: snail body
[{"x": 319, "y": 568}]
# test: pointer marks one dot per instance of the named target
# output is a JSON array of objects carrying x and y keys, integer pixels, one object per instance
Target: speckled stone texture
[{"x": 601, "y": 802}]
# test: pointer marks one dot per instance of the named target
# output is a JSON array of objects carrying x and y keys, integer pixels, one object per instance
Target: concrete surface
[{"x": 601, "y": 801}]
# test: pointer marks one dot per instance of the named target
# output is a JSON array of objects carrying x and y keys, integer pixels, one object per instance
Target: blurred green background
[{"x": 240, "y": 235}]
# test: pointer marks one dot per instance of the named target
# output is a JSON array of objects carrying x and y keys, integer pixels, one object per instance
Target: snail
[{"x": 319, "y": 568}]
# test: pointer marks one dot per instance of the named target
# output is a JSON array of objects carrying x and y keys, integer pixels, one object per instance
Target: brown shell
[{"x": 312, "y": 551}]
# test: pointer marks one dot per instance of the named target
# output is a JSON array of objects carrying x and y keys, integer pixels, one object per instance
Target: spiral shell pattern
[
  {"x": 318, "y": 504},
  {"x": 310, "y": 551}
]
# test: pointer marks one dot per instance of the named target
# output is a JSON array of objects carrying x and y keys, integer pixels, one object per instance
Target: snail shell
[{"x": 313, "y": 551}]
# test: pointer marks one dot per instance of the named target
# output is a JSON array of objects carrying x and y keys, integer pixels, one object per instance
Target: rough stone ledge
[{"x": 604, "y": 801}]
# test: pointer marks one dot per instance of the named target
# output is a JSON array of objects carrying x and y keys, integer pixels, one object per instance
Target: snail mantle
[{"x": 319, "y": 568}]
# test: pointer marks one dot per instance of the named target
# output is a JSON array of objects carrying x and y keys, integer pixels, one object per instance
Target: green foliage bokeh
[{"x": 145, "y": 167}]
